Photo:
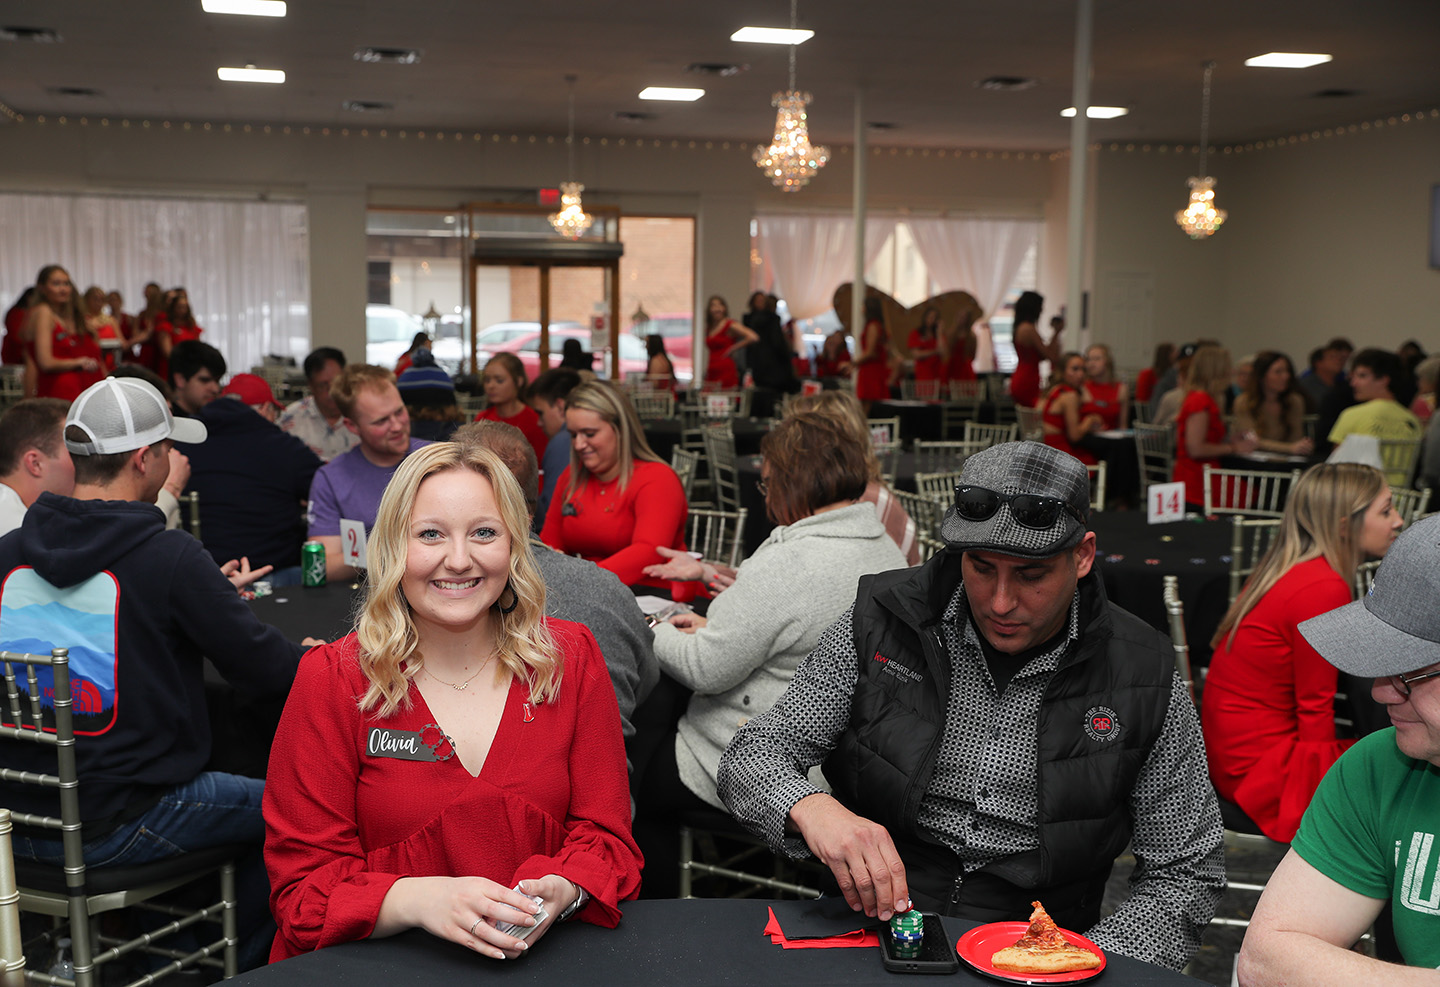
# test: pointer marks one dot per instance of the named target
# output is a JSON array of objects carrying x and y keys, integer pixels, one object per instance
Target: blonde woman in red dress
[
  {"x": 1105, "y": 396},
  {"x": 1063, "y": 416},
  {"x": 65, "y": 351}
]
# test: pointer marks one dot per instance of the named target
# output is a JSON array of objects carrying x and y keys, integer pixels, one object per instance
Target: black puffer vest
[{"x": 1101, "y": 713}]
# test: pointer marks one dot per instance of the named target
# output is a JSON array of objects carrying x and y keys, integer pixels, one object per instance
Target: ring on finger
[{"x": 475, "y": 924}]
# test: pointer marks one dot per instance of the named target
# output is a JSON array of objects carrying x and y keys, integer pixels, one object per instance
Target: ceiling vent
[
  {"x": 366, "y": 106},
  {"x": 40, "y": 35},
  {"x": 393, "y": 56},
  {"x": 882, "y": 125},
  {"x": 1337, "y": 93},
  {"x": 77, "y": 91},
  {"x": 715, "y": 68},
  {"x": 1006, "y": 83},
  {"x": 630, "y": 116}
]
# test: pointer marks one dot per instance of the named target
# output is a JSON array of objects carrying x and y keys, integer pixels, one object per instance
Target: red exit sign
[{"x": 549, "y": 197}]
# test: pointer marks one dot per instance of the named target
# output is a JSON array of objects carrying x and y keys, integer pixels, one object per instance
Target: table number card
[
  {"x": 352, "y": 542},
  {"x": 808, "y": 387},
  {"x": 717, "y": 406},
  {"x": 1165, "y": 502},
  {"x": 880, "y": 435}
]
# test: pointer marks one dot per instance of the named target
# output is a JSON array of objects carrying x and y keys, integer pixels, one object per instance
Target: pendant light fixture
[
  {"x": 572, "y": 220},
  {"x": 1200, "y": 218},
  {"x": 791, "y": 160}
]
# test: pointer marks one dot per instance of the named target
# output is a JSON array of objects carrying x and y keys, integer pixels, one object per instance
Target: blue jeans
[{"x": 211, "y": 810}]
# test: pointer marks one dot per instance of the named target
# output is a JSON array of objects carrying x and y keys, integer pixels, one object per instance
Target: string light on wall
[
  {"x": 572, "y": 220},
  {"x": 1200, "y": 218},
  {"x": 791, "y": 160}
]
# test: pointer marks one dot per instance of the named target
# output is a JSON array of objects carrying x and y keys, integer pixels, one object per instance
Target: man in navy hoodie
[{"x": 139, "y": 607}]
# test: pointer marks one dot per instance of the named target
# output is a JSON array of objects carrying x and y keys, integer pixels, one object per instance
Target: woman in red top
[
  {"x": 659, "y": 370},
  {"x": 834, "y": 359},
  {"x": 145, "y": 347},
  {"x": 1104, "y": 395},
  {"x": 1200, "y": 427},
  {"x": 617, "y": 501},
  {"x": 12, "y": 348},
  {"x": 723, "y": 336},
  {"x": 872, "y": 373},
  {"x": 456, "y": 745},
  {"x": 1268, "y": 710},
  {"x": 1150, "y": 376},
  {"x": 176, "y": 325},
  {"x": 106, "y": 328},
  {"x": 65, "y": 350},
  {"x": 924, "y": 346},
  {"x": 1030, "y": 349},
  {"x": 420, "y": 341},
  {"x": 1064, "y": 420},
  {"x": 957, "y": 348},
  {"x": 504, "y": 381}
]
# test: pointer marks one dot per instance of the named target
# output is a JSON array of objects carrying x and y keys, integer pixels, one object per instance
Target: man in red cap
[{"x": 252, "y": 479}]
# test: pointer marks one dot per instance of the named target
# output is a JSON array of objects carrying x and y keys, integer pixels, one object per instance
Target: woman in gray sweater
[{"x": 739, "y": 659}]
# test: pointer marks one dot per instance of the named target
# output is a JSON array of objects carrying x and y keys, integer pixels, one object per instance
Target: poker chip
[
  {"x": 1227, "y": 559},
  {"x": 907, "y": 950},
  {"x": 907, "y": 926},
  {"x": 1167, "y": 538},
  {"x": 1114, "y": 558},
  {"x": 1152, "y": 561},
  {"x": 1197, "y": 561}
]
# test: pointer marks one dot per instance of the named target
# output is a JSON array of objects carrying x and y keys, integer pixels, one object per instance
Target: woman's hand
[
  {"x": 1245, "y": 444},
  {"x": 681, "y": 566},
  {"x": 688, "y": 622},
  {"x": 179, "y": 473},
  {"x": 719, "y": 578},
  {"x": 465, "y": 910},
  {"x": 1303, "y": 447}
]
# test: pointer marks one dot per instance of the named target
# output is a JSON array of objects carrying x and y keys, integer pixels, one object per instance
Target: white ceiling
[{"x": 499, "y": 66}]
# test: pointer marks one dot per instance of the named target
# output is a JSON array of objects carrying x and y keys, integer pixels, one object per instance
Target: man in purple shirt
[{"x": 350, "y": 485}]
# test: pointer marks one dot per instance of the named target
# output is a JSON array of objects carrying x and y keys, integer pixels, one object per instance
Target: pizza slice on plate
[{"x": 1043, "y": 949}]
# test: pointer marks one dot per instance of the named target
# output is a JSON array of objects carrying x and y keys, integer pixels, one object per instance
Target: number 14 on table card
[{"x": 1165, "y": 502}]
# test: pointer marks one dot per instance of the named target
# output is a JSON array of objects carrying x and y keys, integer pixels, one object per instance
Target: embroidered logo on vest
[
  {"x": 1102, "y": 724},
  {"x": 898, "y": 670}
]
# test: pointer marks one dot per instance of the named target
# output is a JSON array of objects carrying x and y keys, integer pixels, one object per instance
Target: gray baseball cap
[
  {"x": 1013, "y": 468},
  {"x": 1396, "y": 626},
  {"x": 120, "y": 414}
]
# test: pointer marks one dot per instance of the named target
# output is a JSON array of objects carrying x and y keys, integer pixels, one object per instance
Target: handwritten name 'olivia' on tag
[{"x": 429, "y": 743}]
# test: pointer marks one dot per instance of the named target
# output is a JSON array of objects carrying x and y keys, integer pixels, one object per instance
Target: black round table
[
  {"x": 1132, "y": 556},
  {"x": 327, "y": 612},
  {"x": 1116, "y": 449},
  {"x": 664, "y": 435}
]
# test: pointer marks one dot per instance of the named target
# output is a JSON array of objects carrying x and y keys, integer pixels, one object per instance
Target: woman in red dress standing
[
  {"x": 176, "y": 325},
  {"x": 1268, "y": 710},
  {"x": 145, "y": 349},
  {"x": 1030, "y": 349},
  {"x": 957, "y": 349},
  {"x": 66, "y": 351},
  {"x": 1063, "y": 417},
  {"x": 872, "y": 373},
  {"x": 924, "y": 346},
  {"x": 1104, "y": 395},
  {"x": 723, "y": 336}
]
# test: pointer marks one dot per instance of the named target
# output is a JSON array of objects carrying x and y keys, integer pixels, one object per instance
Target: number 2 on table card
[
  {"x": 352, "y": 542},
  {"x": 1165, "y": 502}
]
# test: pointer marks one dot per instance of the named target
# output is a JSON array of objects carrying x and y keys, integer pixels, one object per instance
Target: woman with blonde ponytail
[
  {"x": 1268, "y": 706},
  {"x": 458, "y": 746}
]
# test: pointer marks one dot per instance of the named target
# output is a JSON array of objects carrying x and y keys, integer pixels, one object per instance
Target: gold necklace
[{"x": 461, "y": 687}]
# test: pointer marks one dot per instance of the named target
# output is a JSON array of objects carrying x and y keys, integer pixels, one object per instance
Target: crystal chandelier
[
  {"x": 791, "y": 160},
  {"x": 1200, "y": 218},
  {"x": 572, "y": 220}
]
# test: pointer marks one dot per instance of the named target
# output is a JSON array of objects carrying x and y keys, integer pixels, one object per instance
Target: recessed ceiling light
[
  {"x": 1286, "y": 60},
  {"x": 772, "y": 35},
  {"x": 1098, "y": 112},
  {"x": 252, "y": 8},
  {"x": 668, "y": 93},
  {"x": 251, "y": 74}
]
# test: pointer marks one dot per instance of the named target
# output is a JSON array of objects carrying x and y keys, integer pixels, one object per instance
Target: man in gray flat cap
[
  {"x": 1371, "y": 836},
  {"x": 995, "y": 732}
]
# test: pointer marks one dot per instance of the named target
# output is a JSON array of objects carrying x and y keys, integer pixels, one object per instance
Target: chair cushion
[{"x": 106, "y": 880}]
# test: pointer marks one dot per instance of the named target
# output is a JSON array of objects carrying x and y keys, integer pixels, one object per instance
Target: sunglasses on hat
[{"x": 1028, "y": 510}]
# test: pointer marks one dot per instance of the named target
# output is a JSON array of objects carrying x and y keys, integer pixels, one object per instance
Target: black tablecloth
[
  {"x": 1198, "y": 552},
  {"x": 677, "y": 943},
  {"x": 326, "y": 612},
  {"x": 664, "y": 435}
]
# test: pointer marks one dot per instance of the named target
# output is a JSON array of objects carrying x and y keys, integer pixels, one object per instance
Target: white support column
[
  {"x": 857, "y": 293},
  {"x": 1079, "y": 160}
]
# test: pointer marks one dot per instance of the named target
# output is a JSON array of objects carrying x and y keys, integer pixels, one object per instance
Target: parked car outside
[
  {"x": 526, "y": 345},
  {"x": 389, "y": 330}
]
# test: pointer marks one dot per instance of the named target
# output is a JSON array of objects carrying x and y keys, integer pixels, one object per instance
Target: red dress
[
  {"x": 1268, "y": 710},
  {"x": 619, "y": 529},
  {"x": 1025, "y": 381},
  {"x": 961, "y": 366},
  {"x": 343, "y": 824},
  {"x": 926, "y": 367},
  {"x": 527, "y": 421},
  {"x": 1104, "y": 401},
  {"x": 720, "y": 369},
  {"x": 68, "y": 384},
  {"x": 12, "y": 350},
  {"x": 1192, "y": 471},
  {"x": 872, "y": 380},
  {"x": 1055, "y": 435},
  {"x": 1145, "y": 385}
]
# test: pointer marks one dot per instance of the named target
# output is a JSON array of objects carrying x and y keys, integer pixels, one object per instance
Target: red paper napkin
[{"x": 859, "y": 937}]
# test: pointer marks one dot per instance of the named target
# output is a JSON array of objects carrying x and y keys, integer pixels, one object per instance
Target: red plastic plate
[{"x": 984, "y": 941}]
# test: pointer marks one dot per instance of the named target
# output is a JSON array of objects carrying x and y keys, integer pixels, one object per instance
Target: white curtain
[
  {"x": 245, "y": 264},
  {"x": 981, "y": 256},
  {"x": 813, "y": 255}
]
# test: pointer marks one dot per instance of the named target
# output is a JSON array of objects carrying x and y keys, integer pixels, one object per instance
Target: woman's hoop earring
[{"x": 514, "y": 599}]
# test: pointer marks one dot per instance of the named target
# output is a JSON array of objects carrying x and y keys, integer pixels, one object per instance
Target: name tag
[{"x": 429, "y": 743}]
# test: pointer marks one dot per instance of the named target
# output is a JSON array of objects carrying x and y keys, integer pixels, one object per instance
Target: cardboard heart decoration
[{"x": 958, "y": 311}]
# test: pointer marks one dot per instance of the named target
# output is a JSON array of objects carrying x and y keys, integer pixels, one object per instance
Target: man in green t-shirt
[{"x": 1371, "y": 836}]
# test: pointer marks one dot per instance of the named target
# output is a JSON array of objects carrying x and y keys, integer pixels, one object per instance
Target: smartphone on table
[{"x": 932, "y": 954}]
